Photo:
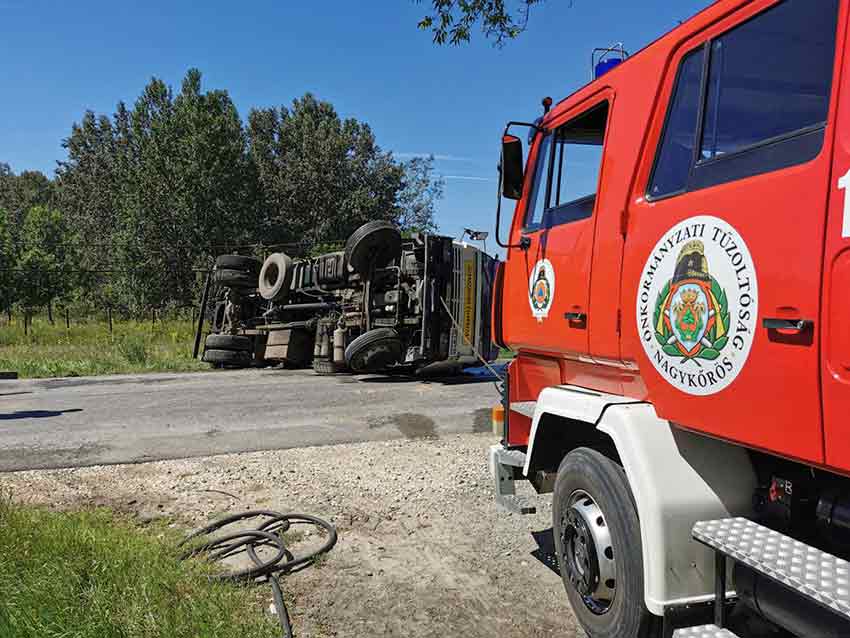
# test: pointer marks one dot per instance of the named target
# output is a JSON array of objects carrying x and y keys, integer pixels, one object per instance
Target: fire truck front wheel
[{"x": 598, "y": 545}]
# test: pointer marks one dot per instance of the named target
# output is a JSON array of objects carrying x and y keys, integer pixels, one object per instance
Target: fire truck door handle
[
  {"x": 578, "y": 317},
  {"x": 791, "y": 325}
]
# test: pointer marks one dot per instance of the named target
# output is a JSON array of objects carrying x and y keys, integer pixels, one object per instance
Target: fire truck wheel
[
  {"x": 275, "y": 277},
  {"x": 238, "y": 262},
  {"x": 597, "y": 539},
  {"x": 373, "y": 245},
  {"x": 234, "y": 278},
  {"x": 229, "y": 342},
  {"x": 374, "y": 351},
  {"x": 229, "y": 358}
]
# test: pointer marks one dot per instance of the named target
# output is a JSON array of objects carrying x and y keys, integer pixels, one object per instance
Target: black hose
[{"x": 268, "y": 534}]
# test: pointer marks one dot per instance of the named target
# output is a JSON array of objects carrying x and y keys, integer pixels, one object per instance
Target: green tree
[
  {"x": 419, "y": 194},
  {"x": 158, "y": 187},
  {"x": 321, "y": 177},
  {"x": 89, "y": 185},
  {"x": 452, "y": 21},
  {"x": 8, "y": 263},
  {"x": 189, "y": 187},
  {"x": 46, "y": 260},
  {"x": 19, "y": 193}
]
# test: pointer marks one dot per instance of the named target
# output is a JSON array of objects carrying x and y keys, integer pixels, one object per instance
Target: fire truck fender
[{"x": 677, "y": 478}]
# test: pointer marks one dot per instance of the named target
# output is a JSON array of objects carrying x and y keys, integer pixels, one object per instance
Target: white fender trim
[
  {"x": 677, "y": 478},
  {"x": 570, "y": 402}
]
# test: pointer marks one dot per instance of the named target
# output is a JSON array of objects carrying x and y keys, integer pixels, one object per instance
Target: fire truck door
[
  {"x": 547, "y": 286},
  {"x": 835, "y": 316},
  {"x": 723, "y": 258}
]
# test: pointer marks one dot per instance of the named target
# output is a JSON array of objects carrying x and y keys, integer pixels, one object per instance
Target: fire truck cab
[{"x": 672, "y": 290}]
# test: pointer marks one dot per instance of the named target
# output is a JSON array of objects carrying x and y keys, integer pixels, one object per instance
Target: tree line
[{"x": 147, "y": 196}]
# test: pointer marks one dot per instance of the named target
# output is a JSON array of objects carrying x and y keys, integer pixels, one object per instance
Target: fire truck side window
[
  {"x": 764, "y": 95},
  {"x": 575, "y": 171},
  {"x": 567, "y": 172},
  {"x": 537, "y": 198},
  {"x": 676, "y": 152},
  {"x": 770, "y": 77}
]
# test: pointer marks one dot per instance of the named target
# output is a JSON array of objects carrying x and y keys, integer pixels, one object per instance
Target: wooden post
[
  {"x": 67, "y": 319},
  {"x": 153, "y": 316},
  {"x": 109, "y": 317},
  {"x": 26, "y": 324},
  {"x": 50, "y": 312},
  {"x": 202, "y": 310}
]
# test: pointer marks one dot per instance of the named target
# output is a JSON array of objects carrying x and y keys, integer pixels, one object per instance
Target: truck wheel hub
[{"x": 588, "y": 552}]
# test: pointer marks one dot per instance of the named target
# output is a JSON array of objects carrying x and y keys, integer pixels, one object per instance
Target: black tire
[
  {"x": 373, "y": 245},
  {"x": 235, "y": 279},
  {"x": 218, "y": 316},
  {"x": 374, "y": 351},
  {"x": 231, "y": 358},
  {"x": 276, "y": 277},
  {"x": 238, "y": 262},
  {"x": 325, "y": 367},
  {"x": 586, "y": 474},
  {"x": 237, "y": 343}
]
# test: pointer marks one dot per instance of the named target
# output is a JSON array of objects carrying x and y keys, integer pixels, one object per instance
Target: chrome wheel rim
[{"x": 588, "y": 553}]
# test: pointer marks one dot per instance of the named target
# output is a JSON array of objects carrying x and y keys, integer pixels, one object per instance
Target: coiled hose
[{"x": 269, "y": 533}]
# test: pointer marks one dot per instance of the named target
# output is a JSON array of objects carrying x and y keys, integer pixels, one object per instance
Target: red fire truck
[{"x": 677, "y": 291}]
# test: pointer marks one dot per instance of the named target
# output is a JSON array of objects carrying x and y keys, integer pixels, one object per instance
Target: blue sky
[{"x": 367, "y": 58}]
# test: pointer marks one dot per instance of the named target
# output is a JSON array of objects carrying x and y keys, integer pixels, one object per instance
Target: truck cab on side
[{"x": 674, "y": 290}]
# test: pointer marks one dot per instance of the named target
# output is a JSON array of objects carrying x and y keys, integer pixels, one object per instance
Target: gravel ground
[{"x": 423, "y": 550}]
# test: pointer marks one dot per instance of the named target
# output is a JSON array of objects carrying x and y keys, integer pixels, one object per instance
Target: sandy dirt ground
[{"x": 423, "y": 550}]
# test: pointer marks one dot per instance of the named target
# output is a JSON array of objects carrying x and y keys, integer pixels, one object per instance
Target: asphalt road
[{"x": 56, "y": 423}]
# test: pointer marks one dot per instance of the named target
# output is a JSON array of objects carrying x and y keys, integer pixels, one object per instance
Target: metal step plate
[
  {"x": 504, "y": 464},
  {"x": 809, "y": 571},
  {"x": 514, "y": 458},
  {"x": 525, "y": 408},
  {"x": 704, "y": 631}
]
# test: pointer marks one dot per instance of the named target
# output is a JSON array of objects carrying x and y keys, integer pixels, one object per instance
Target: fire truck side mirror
[{"x": 512, "y": 167}]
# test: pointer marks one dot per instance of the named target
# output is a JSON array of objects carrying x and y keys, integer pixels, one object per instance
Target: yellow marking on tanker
[{"x": 468, "y": 300}]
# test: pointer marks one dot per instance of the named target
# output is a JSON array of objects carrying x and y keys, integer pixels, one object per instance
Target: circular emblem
[
  {"x": 541, "y": 289},
  {"x": 697, "y": 305}
]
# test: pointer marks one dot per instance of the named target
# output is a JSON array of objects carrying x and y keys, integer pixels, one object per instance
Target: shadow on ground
[
  {"x": 36, "y": 414},
  {"x": 545, "y": 551}
]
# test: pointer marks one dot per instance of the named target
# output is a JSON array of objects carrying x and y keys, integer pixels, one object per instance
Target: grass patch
[
  {"x": 89, "y": 349},
  {"x": 93, "y": 574}
]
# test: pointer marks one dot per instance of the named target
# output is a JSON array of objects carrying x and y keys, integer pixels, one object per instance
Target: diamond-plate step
[
  {"x": 525, "y": 408},
  {"x": 704, "y": 631},
  {"x": 807, "y": 570}
]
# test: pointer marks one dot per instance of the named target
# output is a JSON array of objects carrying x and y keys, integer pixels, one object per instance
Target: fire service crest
[
  {"x": 541, "y": 289},
  {"x": 697, "y": 305}
]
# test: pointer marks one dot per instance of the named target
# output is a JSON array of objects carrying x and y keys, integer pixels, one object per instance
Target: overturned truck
[{"x": 385, "y": 304}]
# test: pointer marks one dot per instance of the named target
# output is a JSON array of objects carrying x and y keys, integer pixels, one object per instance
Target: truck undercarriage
[{"x": 384, "y": 304}]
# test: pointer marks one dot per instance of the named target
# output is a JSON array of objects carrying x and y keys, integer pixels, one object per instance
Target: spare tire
[
  {"x": 325, "y": 367},
  {"x": 235, "y": 278},
  {"x": 374, "y": 351},
  {"x": 276, "y": 277},
  {"x": 233, "y": 358},
  {"x": 239, "y": 262},
  {"x": 229, "y": 342},
  {"x": 373, "y": 245}
]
